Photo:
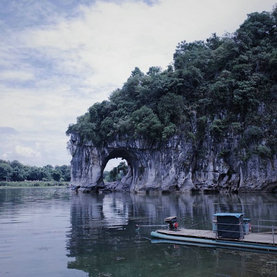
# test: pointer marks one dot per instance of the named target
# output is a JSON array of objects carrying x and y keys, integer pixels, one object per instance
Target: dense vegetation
[
  {"x": 15, "y": 171},
  {"x": 215, "y": 87},
  {"x": 117, "y": 173}
]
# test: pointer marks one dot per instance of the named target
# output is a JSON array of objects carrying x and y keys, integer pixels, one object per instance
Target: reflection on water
[
  {"x": 104, "y": 240},
  {"x": 52, "y": 232}
]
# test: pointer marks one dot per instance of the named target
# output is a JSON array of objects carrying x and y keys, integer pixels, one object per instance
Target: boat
[{"x": 230, "y": 230}]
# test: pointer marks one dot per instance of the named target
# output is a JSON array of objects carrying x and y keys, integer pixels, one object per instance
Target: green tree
[
  {"x": 17, "y": 174},
  {"x": 56, "y": 175},
  {"x": 65, "y": 172},
  {"x": 5, "y": 171},
  {"x": 171, "y": 109},
  {"x": 117, "y": 173},
  {"x": 146, "y": 123}
]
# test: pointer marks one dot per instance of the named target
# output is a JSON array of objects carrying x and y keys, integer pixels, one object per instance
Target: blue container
[
  {"x": 214, "y": 224},
  {"x": 246, "y": 226},
  {"x": 229, "y": 225}
]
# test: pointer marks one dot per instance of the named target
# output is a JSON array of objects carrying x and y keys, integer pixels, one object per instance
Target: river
[{"x": 54, "y": 232}]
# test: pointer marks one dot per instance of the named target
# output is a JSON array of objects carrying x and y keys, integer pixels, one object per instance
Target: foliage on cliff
[{"x": 224, "y": 84}]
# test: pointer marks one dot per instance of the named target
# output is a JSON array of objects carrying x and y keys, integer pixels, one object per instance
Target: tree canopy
[
  {"x": 16, "y": 171},
  {"x": 230, "y": 81}
]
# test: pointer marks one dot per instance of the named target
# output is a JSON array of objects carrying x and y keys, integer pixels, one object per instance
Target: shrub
[
  {"x": 217, "y": 127},
  {"x": 252, "y": 134},
  {"x": 263, "y": 151},
  {"x": 236, "y": 126},
  {"x": 201, "y": 126},
  {"x": 224, "y": 153},
  {"x": 168, "y": 131}
]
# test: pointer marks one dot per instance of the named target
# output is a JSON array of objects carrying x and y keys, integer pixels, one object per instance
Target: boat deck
[{"x": 260, "y": 238}]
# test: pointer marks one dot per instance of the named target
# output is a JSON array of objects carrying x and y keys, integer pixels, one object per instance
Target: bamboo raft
[{"x": 253, "y": 241}]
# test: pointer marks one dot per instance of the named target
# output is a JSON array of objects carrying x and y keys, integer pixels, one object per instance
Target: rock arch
[
  {"x": 150, "y": 167},
  {"x": 175, "y": 165},
  {"x": 88, "y": 163}
]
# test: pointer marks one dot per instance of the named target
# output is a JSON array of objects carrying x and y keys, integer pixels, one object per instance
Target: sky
[{"x": 59, "y": 57}]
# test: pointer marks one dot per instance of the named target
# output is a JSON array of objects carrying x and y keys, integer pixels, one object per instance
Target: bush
[
  {"x": 169, "y": 131},
  {"x": 263, "y": 151},
  {"x": 224, "y": 153},
  {"x": 191, "y": 136},
  {"x": 253, "y": 134},
  {"x": 217, "y": 128},
  {"x": 146, "y": 123},
  {"x": 201, "y": 127},
  {"x": 236, "y": 126}
]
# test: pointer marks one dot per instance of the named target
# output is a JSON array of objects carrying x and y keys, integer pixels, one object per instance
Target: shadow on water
[{"x": 104, "y": 240}]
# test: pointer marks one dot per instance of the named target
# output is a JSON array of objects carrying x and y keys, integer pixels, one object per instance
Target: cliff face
[{"x": 177, "y": 165}]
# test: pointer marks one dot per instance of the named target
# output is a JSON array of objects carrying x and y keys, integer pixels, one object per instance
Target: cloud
[
  {"x": 7, "y": 131},
  {"x": 11, "y": 75},
  {"x": 26, "y": 151},
  {"x": 35, "y": 147},
  {"x": 109, "y": 39}
]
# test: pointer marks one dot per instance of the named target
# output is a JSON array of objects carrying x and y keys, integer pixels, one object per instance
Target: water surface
[{"x": 54, "y": 232}]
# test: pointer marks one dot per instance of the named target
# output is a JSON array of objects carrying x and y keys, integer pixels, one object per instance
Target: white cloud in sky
[
  {"x": 26, "y": 151},
  {"x": 16, "y": 75},
  {"x": 109, "y": 40},
  {"x": 52, "y": 72}
]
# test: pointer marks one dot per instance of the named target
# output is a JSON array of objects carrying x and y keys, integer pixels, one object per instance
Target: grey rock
[{"x": 178, "y": 165}]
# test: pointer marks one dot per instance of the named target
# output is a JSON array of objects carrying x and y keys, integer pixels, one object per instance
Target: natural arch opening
[
  {"x": 118, "y": 169},
  {"x": 115, "y": 170}
]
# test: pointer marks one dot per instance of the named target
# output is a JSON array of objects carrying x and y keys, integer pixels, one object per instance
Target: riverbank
[{"x": 33, "y": 184}]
